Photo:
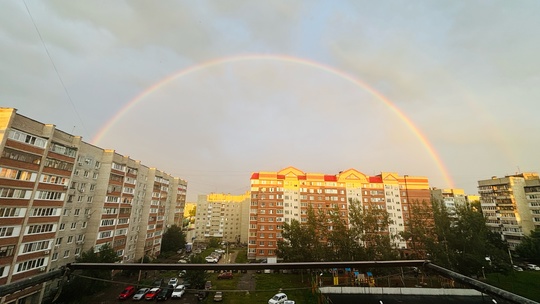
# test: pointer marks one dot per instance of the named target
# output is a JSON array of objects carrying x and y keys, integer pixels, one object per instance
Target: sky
[{"x": 212, "y": 91}]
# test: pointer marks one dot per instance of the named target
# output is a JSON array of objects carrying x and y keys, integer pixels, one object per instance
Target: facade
[
  {"x": 283, "y": 196},
  {"x": 60, "y": 196},
  {"x": 510, "y": 205},
  {"x": 222, "y": 216},
  {"x": 451, "y": 198}
]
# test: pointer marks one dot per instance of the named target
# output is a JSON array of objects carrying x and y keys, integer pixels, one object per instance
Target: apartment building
[
  {"x": 510, "y": 205},
  {"x": 451, "y": 198},
  {"x": 282, "y": 196},
  {"x": 60, "y": 196},
  {"x": 222, "y": 216}
]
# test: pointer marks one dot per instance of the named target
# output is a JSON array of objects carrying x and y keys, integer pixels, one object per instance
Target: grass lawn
[
  {"x": 523, "y": 283},
  {"x": 267, "y": 286}
]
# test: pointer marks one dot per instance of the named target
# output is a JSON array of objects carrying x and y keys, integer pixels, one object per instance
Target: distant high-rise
[
  {"x": 511, "y": 205},
  {"x": 222, "y": 216},
  {"x": 283, "y": 196},
  {"x": 60, "y": 196}
]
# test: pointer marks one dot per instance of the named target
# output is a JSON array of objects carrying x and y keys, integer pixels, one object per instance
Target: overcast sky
[{"x": 263, "y": 85}]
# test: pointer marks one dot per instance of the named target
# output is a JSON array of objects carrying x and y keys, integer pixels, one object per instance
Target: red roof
[
  {"x": 375, "y": 179},
  {"x": 280, "y": 176},
  {"x": 255, "y": 175},
  {"x": 330, "y": 178}
]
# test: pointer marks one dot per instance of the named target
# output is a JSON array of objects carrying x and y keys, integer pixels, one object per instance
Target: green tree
[
  {"x": 529, "y": 248},
  {"x": 303, "y": 242},
  {"x": 419, "y": 228},
  {"x": 465, "y": 244},
  {"x": 173, "y": 239},
  {"x": 369, "y": 228},
  {"x": 196, "y": 278},
  {"x": 86, "y": 283},
  {"x": 213, "y": 242}
]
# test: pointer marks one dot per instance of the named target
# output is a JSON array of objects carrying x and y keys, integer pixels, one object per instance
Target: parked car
[
  {"x": 201, "y": 295},
  {"x": 225, "y": 275},
  {"x": 517, "y": 268},
  {"x": 139, "y": 295},
  {"x": 152, "y": 294},
  {"x": 182, "y": 273},
  {"x": 158, "y": 283},
  {"x": 178, "y": 292},
  {"x": 127, "y": 293},
  {"x": 182, "y": 261},
  {"x": 218, "y": 297},
  {"x": 208, "y": 285},
  {"x": 173, "y": 282},
  {"x": 220, "y": 251},
  {"x": 278, "y": 298},
  {"x": 532, "y": 267},
  {"x": 210, "y": 259},
  {"x": 164, "y": 294}
]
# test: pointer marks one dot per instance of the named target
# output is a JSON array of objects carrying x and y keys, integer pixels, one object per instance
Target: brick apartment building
[
  {"x": 60, "y": 196},
  {"x": 278, "y": 197}
]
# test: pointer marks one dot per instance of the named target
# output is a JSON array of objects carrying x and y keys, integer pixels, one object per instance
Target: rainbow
[{"x": 281, "y": 58}]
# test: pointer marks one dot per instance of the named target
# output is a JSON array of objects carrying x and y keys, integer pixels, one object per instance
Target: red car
[
  {"x": 127, "y": 293},
  {"x": 225, "y": 275},
  {"x": 152, "y": 294}
]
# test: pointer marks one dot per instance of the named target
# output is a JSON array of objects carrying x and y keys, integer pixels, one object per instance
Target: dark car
[
  {"x": 127, "y": 293},
  {"x": 225, "y": 275},
  {"x": 158, "y": 283},
  {"x": 164, "y": 294},
  {"x": 201, "y": 295}
]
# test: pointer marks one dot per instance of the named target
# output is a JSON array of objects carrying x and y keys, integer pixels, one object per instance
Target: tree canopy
[
  {"x": 173, "y": 239},
  {"x": 86, "y": 282},
  {"x": 529, "y": 248}
]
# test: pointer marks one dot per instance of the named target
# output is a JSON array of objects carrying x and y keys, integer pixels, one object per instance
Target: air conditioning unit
[
  {"x": 42, "y": 269},
  {"x": 46, "y": 252}
]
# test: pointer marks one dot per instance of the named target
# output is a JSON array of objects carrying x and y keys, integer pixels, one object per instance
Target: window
[
  {"x": 29, "y": 265},
  {"x": 21, "y": 156},
  {"x": 50, "y": 195},
  {"x": 7, "y": 250},
  {"x": 27, "y": 138},
  {"x": 73, "y": 225},
  {"x": 70, "y": 239},
  {"x": 66, "y": 254},
  {"x": 12, "y": 212},
  {"x": 13, "y": 193},
  {"x": 35, "y": 246},
  {"x": 17, "y": 174},
  {"x": 60, "y": 149},
  {"x": 55, "y": 256},
  {"x": 42, "y": 228},
  {"x": 45, "y": 212},
  {"x": 62, "y": 226}
]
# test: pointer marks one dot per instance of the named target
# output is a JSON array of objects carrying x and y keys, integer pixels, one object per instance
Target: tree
[
  {"x": 420, "y": 226},
  {"x": 369, "y": 228},
  {"x": 529, "y": 248},
  {"x": 465, "y": 244},
  {"x": 196, "y": 278},
  {"x": 213, "y": 242},
  {"x": 173, "y": 239},
  {"x": 303, "y": 242},
  {"x": 85, "y": 283}
]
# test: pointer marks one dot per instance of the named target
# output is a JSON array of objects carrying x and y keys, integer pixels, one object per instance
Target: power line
[{"x": 54, "y": 66}]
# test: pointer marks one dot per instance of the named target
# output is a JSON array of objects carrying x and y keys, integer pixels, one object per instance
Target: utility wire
[{"x": 54, "y": 66}]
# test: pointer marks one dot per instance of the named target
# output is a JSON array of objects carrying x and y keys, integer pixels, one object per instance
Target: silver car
[{"x": 139, "y": 295}]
